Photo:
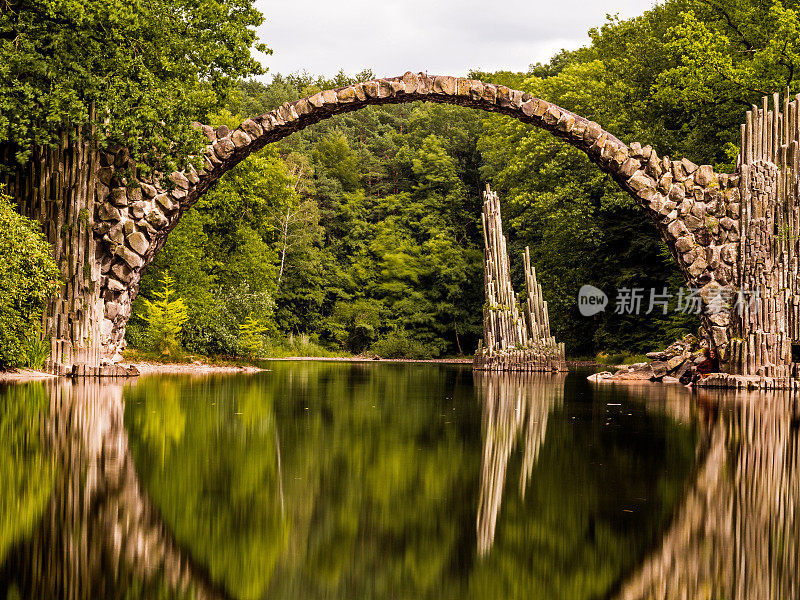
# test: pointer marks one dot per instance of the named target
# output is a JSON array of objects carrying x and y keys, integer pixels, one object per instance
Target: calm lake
[{"x": 388, "y": 481}]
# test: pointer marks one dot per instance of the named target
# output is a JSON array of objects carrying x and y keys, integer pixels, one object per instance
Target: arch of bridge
[{"x": 695, "y": 210}]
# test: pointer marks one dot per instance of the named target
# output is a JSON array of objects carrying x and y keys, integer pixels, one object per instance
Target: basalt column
[
  {"x": 515, "y": 337},
  {"x": 57, "y": 188},
  {"x": 766, "y": 317}
]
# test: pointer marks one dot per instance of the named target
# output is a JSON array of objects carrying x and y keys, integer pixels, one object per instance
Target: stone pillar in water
[{"x": 516, "y": 336}]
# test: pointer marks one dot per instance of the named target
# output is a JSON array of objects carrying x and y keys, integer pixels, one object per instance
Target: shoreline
[
  {"x": 24, "y": 376},
  {"x": 443, "y": 361},
  {"x": 198, "y": 368}
]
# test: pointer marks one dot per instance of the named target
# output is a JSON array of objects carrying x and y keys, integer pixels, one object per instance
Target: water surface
[{"x": 339, "y": 480}]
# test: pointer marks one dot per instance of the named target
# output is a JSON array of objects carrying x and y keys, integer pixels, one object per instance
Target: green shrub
[
  {"x": 28, "y": 277},
  {"x": 251, "y": 337},
  {"x": 37, "y": 350},
  {"x": 398, "y": 344},
  {"x": 165, "y": 319}
]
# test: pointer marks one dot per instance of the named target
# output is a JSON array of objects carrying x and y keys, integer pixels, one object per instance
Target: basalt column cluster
[
  {"x": 516, "y": 336},
  {"x": 766, "y": 324}
]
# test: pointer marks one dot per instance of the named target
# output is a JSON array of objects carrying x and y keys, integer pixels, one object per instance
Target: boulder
[
  {"x": 674, "y": 362},
  {"x": 659, "y": 369}
]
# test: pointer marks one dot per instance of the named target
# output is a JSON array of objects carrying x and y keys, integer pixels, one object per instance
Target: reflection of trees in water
[
  {"x": 99, "y": 536},
  {"x": 736, "y": 533},
  {"x": 512, "y": 403}
]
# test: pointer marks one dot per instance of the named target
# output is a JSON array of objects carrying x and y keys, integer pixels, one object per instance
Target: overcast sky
[{"x": 438, "y": 36}]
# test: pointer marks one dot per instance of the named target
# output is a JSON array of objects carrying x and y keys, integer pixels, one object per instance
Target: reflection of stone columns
[
  {"x": 735, "y": 534},
  {"x": 100, "y": 532},
  {"x": 511, "y": 402}
]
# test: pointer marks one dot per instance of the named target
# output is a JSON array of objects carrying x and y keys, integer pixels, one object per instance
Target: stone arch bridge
[{"x": 106, "y": 229}]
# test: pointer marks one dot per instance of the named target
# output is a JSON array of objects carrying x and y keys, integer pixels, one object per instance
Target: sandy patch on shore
[
  {"x": 24, "y": 375},
  {"x": 193, "y": 368}
]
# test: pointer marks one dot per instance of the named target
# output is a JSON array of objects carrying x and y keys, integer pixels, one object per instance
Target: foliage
[
  {"x": 37, "y": 350},
  {"x": 399, "y": 344},
  {"x": 251, "y": 336},
  {"x": 139, "y": 71},
  {"x": 165, "y": 318},
  {"x": 28, "y": 277}
]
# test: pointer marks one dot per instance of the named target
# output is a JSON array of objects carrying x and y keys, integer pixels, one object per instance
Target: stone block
[
  {"x": 134, "y": 195},
  {"x": 677, "y": 229},
  {"x": 677, "y": 193},
  {"x": 209, "y": 132},
  {"x": 685, "y": 243},
  {"x": 640, "y": 182},
  {"x": 121, "y": 271},
  {"x": 138, "y": 209},
  {"x": 675, "y": 362},
  {"x": 108, "y": 212},
  {"x": 253, "y": 128},
  {"x": 114, "y": 286},
  {"x": 446, "y": 85},
  {"x": 592, "y": 132},
  {"x": 240, "y": 138},
  {"x": 665, "y": 183},
  {"x": 165, "y": 204},
  {"x": 157, "y": 220},
  {"x": 692, "y": 222},
  {"x": 192, "y": 175},
  {"x": 412, "y": 82},
  {"x": 698, "y": 266},
  {"x": 224, "y": 148},
  {"x": 629, "y": 167},
  {"x": 116, "y": 234},
  {"x": 688, "y": 166},
  {"x": 719, "y": 335},
  {"x": 372, "y": 89},
  {"x": 346, "y": 95},
  {"x": 704, "y": 175},
  {"x": 130, "y": 257},
  {"x": 728, "y": 253},
  {"x": 138, "y": 243},
  {"x": 489, "y": 93},
  {"x": 222, "y": 131},
  {"x": 659, "y": 369}
]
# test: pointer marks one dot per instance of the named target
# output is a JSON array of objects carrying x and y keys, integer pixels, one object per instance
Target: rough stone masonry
[{"x": 106, "y": 228}]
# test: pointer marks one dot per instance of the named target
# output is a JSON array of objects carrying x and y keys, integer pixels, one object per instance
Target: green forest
[{"x": 361, "y": 234}]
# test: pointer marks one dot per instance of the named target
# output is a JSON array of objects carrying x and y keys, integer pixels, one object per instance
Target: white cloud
[{"x": 438, "y": 36}]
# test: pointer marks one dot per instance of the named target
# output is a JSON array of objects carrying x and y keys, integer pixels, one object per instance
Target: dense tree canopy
[{"x": 140, "y": 70}]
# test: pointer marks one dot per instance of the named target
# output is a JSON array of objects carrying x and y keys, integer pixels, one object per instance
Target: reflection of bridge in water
[
  {"x": 99, "y": 530},
  {"x": 734, "y": 535}
]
